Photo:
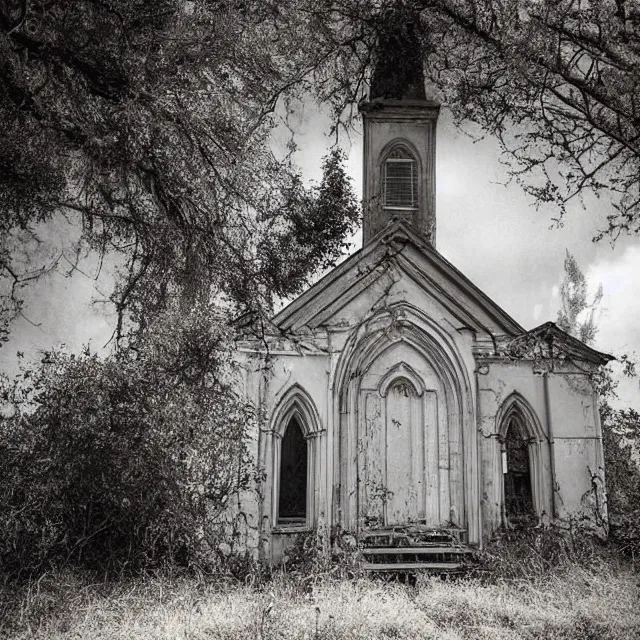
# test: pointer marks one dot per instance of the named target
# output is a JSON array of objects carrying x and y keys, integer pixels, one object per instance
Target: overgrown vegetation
[
  {"x": 149, "y": 126},
  {"x": 124, "y": 464},
  {"x": 541, "y": 582},
  {"x": 621, "y": 438},
  {"x": 596, "y": 600}
]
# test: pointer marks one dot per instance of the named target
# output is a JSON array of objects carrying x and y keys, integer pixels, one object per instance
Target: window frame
[
  {"x": 295, "y": 403},
  {"x": 516, "y": 408},
  {"x": 516, "y": 432},
  {"x": 293, "y": 521},
  {"x": 406, "y": 157}
]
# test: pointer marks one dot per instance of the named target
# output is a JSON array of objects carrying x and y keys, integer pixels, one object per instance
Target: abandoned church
[{"x": 397, "y": 396}]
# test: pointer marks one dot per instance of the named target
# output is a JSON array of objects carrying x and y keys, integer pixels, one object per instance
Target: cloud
[
  {"x": 618, "y": 322},
  {"x": 618, "y": 326}
]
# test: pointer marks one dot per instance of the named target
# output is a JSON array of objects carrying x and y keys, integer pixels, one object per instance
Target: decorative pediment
[{"x": 549, "y": 343}]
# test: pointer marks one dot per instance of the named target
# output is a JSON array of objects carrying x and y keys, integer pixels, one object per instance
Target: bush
[
  {"x": 125, "y": 463},
  {"x": 621, "y": 444},
  {"x": 530, "y": 553},
  {"x": 621, "y": 429},
  {"x": 320, "y": 554}
]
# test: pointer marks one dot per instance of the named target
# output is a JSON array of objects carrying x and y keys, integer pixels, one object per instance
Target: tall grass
[{"x": 600, "y": 602}]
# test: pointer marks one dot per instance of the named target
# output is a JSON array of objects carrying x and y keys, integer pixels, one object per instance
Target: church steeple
[{"x": 399, "y": 132}]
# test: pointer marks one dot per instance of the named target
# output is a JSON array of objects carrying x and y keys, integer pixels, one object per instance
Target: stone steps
[
  {"x": 414, "y": 549},
  {"x": 414, "y": 567}
]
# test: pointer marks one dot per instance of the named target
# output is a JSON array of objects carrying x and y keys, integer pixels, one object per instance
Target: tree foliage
[
  {"x": 150, "y": 122},
  {"x": 558, "y": 83},
  {"x": 621, "y": 444},
  {"x": 126, "y": 463},
  {"x": 574, "y": 303}
]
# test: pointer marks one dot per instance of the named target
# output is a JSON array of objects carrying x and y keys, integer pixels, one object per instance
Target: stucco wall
[
  {"x": 577, "y": 443},
  {"x": 499, "y": 382},
  {"x": 564, "y": 431},
  {"x": 570, "y": 450}
]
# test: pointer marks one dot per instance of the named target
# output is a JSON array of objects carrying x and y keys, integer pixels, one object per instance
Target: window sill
[{"x": 290, "y": 528}]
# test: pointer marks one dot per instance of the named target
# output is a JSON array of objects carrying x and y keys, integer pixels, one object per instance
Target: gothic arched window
[
  {"x": 292, "y": 499},
  {"x": 400, "y": 180},
  {"x": 518, "y": 495}
]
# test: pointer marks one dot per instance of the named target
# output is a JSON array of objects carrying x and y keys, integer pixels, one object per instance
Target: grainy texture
[{"x": 582, "y": 603}]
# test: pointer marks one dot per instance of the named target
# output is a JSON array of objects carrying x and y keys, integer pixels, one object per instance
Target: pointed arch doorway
[
  {"x": 406, "y": 470},
  {"x": 441, "y": 455}
]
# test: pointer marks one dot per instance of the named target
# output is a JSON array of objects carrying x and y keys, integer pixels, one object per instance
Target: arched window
[
  {"x": 295, "y": 439},
  {"x": 526, "y": 485},
  {"x": 518, "y": 494},
  {"x": 292, "y": 499},
  {"x": 400, "y": 180}
]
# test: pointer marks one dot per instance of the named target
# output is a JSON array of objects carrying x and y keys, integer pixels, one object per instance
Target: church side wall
[
  {"x": 577, "y": 445},
  {"x": 496, "y": 382},
  {"x": 569, "y": 456},
  {"x": 267, "y": 383},
  {"x": 241, "y": 519}
]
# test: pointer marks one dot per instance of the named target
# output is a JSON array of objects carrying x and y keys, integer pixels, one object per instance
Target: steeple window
[{"x": 400, "y": 180}]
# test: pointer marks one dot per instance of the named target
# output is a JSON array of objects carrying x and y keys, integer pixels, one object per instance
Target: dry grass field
[{"x": 601, "y": 602}]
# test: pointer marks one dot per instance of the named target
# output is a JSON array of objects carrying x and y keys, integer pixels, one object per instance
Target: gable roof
[{"x": 428, "y": 268}]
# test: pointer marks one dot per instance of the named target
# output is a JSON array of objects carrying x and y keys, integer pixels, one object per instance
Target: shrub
[
  {"x": 621, "y": 430},
  {"x": 124, "y": 463},
  {"x": 621, "y": 444},
  {"x": 530, "y": 553}
]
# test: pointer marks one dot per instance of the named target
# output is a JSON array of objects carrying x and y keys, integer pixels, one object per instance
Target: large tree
[
  {"x": 574, "y": 303},
  {"x": 148, "y": 124},
  {"x": 150, "y": 121}
]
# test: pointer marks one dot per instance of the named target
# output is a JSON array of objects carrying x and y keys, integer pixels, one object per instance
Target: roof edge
[{"x": 399, "y": 230}]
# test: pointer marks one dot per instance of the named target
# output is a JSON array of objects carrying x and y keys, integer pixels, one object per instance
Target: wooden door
[
  {"x": 391, "y": 455},
  {"x": 404, "y": 455}
]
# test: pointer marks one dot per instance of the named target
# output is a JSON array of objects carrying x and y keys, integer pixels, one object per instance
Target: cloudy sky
[{"x": 492, "y": 233}]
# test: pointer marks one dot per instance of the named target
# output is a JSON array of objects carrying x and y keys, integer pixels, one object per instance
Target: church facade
[{"x": 394, "y": 392}]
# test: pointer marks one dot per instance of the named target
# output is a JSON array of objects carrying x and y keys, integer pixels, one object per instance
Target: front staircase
[{"x": 415, "y": 548}]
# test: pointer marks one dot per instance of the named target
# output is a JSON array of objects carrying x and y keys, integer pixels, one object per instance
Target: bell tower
[{"x": 399, "y": 133}]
